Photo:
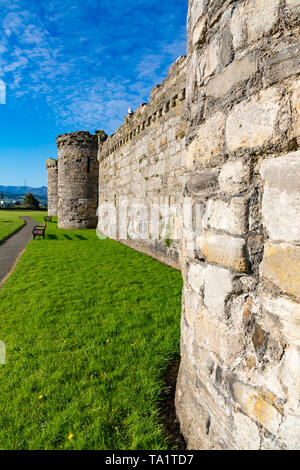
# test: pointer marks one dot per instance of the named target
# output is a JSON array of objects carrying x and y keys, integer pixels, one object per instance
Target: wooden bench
[
  {"x": 48, "y": 219},
  {"x": 39, "y": 231}
]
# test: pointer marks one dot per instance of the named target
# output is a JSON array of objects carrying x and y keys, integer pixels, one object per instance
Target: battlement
[
  {"x": 51, "y": 163},
  {"x": 102, "y": 136},
  {"x": 77, "y": 139},
  {"x": 163, "y": 98}
]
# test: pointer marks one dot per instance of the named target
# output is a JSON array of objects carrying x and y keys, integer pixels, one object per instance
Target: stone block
[
  {"x": 234, "y": 177},
  {"x": 193, "y": 417},
  {"x": 283, "y": 63},
  {"x": 196, "y": 276},
  {"x": 191, "y": 306},
  {"x": 226, "y": 48},
  {"x": 190, "y": 298},
  {"x": 197, "y": 9},
  {"x": 199, "y": 32},
  {"x": 280, "y": 266},
  {"x": 238, "y": 27},
  {"x": 233, "y": 74},
  {"x": 281, "y": 198},
  {"x": 210, "y": 60},
  {"x": 253, "y": 19},
  {"x": 202, "y": 183},
  {"x": 290, "y": 376},
  {"x": 294, "y": 7},
  {"x": 254, "y": 404},
  {"x": 187, "y": 337},
  {"x": 246, "y": 432},
  {"x": 262, "y": 16},
  {"x": 224, "y": 250},
  {"x": 219, "y": 285},
  {"x": 192, "y": 71},
  {"x": 288, "y": 314},
  {"x": 289, "y": 432},
  {"x": 215, "y": 337},
  {"x": 209, "y": 142},
  {"x": 229, "y": 217},
  {"x": 269, "y": 378},
  {"x": 252, "y": 123}
]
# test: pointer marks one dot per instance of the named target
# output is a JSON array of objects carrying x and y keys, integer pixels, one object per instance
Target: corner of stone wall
[{"x": 238, "y": 386}]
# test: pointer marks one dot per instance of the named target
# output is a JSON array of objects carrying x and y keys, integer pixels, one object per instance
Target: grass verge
[
  {"x": 9, "y": 224},
  {"x": 90, "y": 328}
]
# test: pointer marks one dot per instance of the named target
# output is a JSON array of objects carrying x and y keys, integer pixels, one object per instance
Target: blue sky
[{"x": 77, "y": 65}]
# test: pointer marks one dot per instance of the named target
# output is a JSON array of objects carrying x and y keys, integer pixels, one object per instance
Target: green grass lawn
[
  {"x": 9, "y": 223},
  {"x": 90, "y": 327}
]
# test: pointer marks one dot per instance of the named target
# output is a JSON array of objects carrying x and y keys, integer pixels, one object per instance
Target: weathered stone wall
[
  {"x": 220, "y": 136},
  {"x": 142, "y": 163},
  {"x": 52, "y": 181},
  {"x": 239, "y": 383},
  {"x": 78, "y": 173}
]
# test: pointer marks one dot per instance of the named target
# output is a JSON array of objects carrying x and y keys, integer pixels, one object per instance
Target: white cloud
[
  {"x": 76, "y": 77},
  {"x": 2, "y": 92}
]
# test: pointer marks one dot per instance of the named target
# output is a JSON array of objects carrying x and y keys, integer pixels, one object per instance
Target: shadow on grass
[
  {"x": 167, "y": 409},
  {"x": 68, "y": 237},
  {"x": 80, "y": 237},
  {"x": 51, "y": 237}
]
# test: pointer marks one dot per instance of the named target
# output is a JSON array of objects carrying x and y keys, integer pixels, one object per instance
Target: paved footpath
[{"x": 11, "y": 248}]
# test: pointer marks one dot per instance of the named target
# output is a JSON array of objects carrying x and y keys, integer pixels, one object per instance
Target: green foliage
[
  {"x": 30, "y": 202},
  {"x": 90, "y": 326}
]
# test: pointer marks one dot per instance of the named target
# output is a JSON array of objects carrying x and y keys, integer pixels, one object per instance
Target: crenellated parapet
[
  {"x": 163, "y": 100},
  {"x": 79, "y": 143},
  {"x": 51, "y": 163}
]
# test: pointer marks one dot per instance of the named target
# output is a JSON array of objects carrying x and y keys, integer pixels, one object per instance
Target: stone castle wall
[
  {"x": 142, "y": 163},
  {"x": 239, "y": 383},
  {"x": 78, "y": 173},
  {"x": 52, "y": 181},
  {"x": 220, "y": 135}
]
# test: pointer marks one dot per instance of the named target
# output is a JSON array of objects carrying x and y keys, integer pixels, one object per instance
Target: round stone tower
[
  {"x": 52, "y": 178},
  {"x": 78, "y": 175}
]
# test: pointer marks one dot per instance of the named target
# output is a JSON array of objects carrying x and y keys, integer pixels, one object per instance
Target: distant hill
[{"x": 20, "y": 191}]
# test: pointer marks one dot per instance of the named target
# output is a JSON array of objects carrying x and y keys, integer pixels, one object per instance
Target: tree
[{"x": 30, "y": 202}]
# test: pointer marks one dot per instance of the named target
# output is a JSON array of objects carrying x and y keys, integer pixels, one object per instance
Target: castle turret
[
  {"x": 78, "y": 173},
  {"x": 52, "y": 178}
]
